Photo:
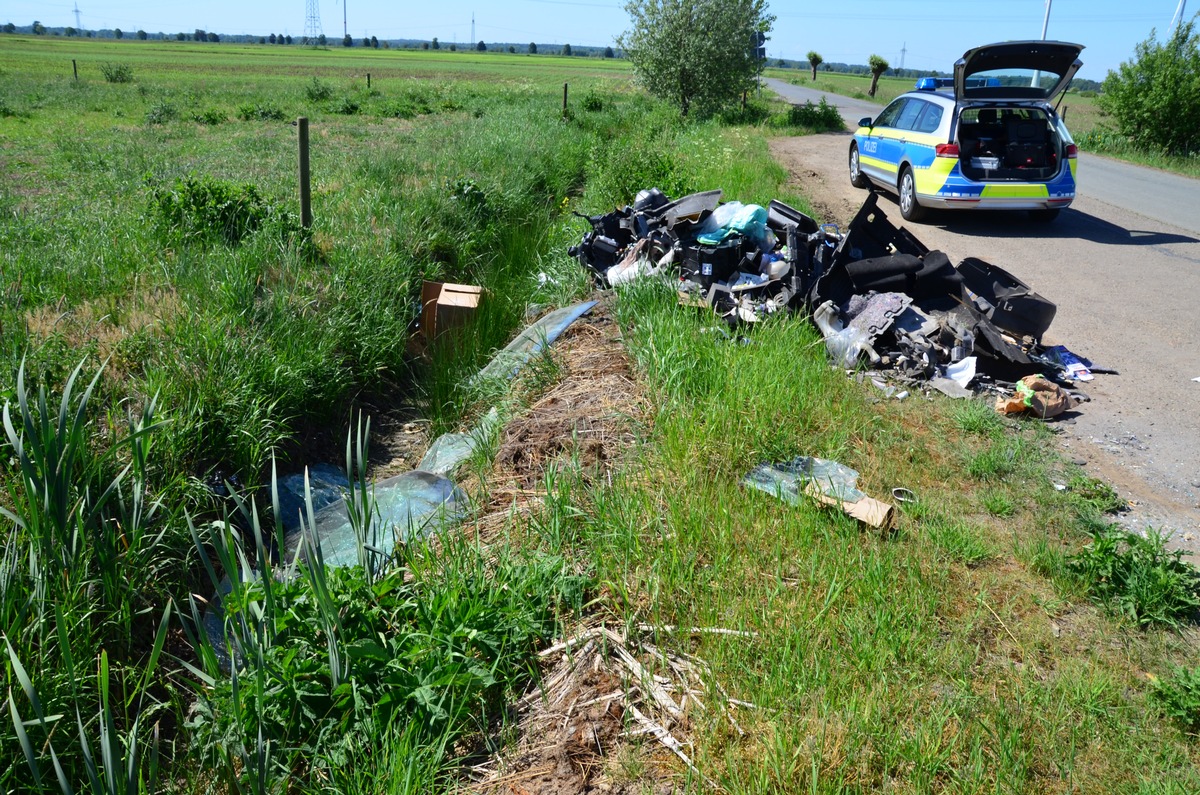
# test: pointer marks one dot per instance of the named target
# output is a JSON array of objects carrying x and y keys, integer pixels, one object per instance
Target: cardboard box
[{"x": 446, "y": 306}]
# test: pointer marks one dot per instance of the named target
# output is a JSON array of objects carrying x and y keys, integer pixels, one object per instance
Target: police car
[{"x": 990, "y": 138}]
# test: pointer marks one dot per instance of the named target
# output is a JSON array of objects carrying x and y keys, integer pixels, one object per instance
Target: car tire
[
  {"x": 1044, "y": 216},
  {"x": 857, "y": 178},
  {"x": 907, "y": 188}
]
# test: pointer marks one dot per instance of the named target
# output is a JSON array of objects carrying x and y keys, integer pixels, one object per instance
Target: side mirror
[{"x": 866, "y": 121}]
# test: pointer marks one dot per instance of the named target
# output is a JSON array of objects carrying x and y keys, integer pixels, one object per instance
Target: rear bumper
[{"x": 995, "y": 202}]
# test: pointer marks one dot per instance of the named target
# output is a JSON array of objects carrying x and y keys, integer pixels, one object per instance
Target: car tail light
[
  {"x": 946, "y": 150},
  {"x": 1072, "y": 152}
]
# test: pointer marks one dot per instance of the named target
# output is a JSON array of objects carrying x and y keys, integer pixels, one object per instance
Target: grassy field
[{"x": 997, "y": 642}]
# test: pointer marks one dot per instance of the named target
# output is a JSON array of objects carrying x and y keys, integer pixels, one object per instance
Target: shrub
[
  {"x": 1179, "y": 696},
  {"x": 1088, "y": 94},
  {"x": 316, "y": 91},
  {"x": 815, "y": 117},
  {"x": 212, "y": 116},
  {"x": 161, "y": 112},
  {"x": 260, "y": 111},
  {"x": 117, "y": 72},
  {"x": 1153, "y": 98},
  {"x": 346, "y": 106},
  {"x": 1138, "y": 577},
  {"x": 592, "y": 101},
  {"x": 206, "y": 208}
]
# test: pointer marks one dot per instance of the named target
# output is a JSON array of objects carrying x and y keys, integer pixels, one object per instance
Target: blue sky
[{"x": 933, "y": 32}]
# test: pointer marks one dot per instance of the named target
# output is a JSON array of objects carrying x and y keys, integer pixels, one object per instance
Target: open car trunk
[{"x": 1006, "y": 143}]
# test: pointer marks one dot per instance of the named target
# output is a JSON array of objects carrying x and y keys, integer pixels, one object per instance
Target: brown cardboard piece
[{"x": 446, "y": 306}]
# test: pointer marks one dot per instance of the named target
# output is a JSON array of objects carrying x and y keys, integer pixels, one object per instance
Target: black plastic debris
[{"x": 876, "y": 292}]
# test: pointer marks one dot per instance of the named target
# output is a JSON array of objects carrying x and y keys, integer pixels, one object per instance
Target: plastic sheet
[
  {"x": 787, "y": 480},
  {"x": 450, "y": 450},
  {"x": 410, "y": 506},
  {"x": 327, "y": 484},
  {"x": 530, "y": 342}
]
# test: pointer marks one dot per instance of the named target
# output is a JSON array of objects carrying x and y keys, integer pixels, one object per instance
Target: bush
[
  {"x": 1138, "y": 577},
  {"x": 592, "y": 101},
  {"x": 212, "y": 116},
  {"x": 1153, "y": 98},
  {"x": 1088, "y": 94},
  {"x": 1179, "y": 696},
  {"x": 346, "y": 106},
  {"x": 161, "y": 112},
  {"x": 815, "y": 117},
  {"x": 206, "y": 208},
  {"x": 117, "y": 72},
  {"x": 260, "y": 111},
  {"x": 316, "y": 91}
]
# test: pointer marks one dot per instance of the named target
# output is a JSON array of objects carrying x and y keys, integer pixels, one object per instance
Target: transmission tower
[
  {"x": 903, "y": 52},
  {"x": 472, "y": 27},
  {"x": 312, "y": 23},
  {"x": 78, "y": 26}
]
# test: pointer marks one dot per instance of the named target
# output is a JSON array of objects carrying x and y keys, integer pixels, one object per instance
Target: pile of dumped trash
[{"x": 873, "y": 290}]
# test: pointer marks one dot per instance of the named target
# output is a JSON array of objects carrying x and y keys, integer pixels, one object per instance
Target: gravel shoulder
[{"x": 1126, "y": 287}]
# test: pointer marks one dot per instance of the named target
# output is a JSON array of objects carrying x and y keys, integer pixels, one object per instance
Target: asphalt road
[{"x": 1123, "y": 266}]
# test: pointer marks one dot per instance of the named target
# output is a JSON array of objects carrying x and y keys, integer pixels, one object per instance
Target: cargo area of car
[{"x": 1006, "y": 143}]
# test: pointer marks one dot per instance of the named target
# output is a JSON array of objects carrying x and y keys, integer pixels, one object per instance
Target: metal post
[
  {"x": 1177, "y": 20},
  {"x": 305, "y": 192}
]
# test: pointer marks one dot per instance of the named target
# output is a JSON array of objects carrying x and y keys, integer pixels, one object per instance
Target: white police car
[{"x": 995, "y": 143}]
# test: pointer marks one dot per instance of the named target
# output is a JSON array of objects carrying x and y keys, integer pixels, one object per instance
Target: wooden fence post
[
  {"x": 368, "y": 81},
  {"x": 305, "y": 192},
  {"x": 564, "y": 97},
  {"x": 75, "y": 69}
]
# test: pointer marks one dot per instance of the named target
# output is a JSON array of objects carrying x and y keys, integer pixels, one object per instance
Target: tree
[
  {"x": 436, "y": 46},
  {"x": 347, "y": 41},
  {"x": 375, "y": 42},
  {"x": 366, "y": 41},
  {"x": 180, "y": 37},
  {"x": 695, "y": 53},
  {"x": 424, "y": 45},
  {"x": 10, "y": 27},
  {"x": 814, "y": 60},
  {"x": 454, "y": 47},
  {"x": 69, "y": 31},
  {"x": 262, "y": 39},
  {"x": 566, "y": 50},
  {"x": 117, "y": 34},
  {"x": 38, "y": 28},
  {"x": 1155, "y": 98},
  {"x": 214, "y": 38},
  {"x": 287, "y": 39},
  {"x": 271, "y": 38},
  {"x": 321, "y": 40},
  {"x": 608, "y": 52},
  {"x": 878, "y": 67},
  {"x": 512, "y": 49},
  {"x": 481, "y": 47},
  {"x": 142, "y": 35},
  {"x": 532, "y": 48}
]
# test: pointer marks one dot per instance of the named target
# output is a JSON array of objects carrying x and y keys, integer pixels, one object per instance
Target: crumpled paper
[{"x": 1037, "y": 395}]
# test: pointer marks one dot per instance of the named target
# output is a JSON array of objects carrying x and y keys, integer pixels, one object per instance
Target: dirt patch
[{"x": 589, "y": 415}]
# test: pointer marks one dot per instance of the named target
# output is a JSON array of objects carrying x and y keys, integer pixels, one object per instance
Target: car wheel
[
  {"x": 857, "y": 178},
  {"x": 1044, "y": 216},
  {"x": 909, "y": 208}
]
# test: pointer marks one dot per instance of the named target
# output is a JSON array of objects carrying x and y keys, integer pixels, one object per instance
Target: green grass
[{"x": 961, "y": 652}]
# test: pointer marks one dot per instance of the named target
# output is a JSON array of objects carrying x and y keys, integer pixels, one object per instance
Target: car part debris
[{"x": 872, "y": 287}]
